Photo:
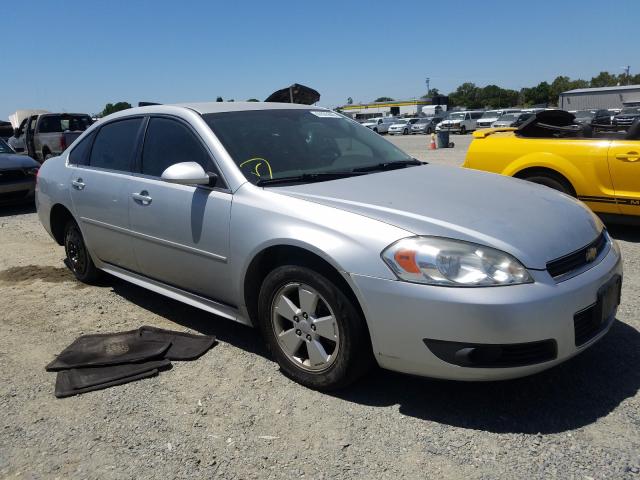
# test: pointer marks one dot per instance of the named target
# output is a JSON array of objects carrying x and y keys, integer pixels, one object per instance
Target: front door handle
[
  {"x": 78, "y": 184},
  {"x": 628, "y": 157},
  {"x": 142, "y": 198}
]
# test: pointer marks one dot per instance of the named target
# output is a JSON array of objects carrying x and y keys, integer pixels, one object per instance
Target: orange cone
[{"x": 432, "y": 145}]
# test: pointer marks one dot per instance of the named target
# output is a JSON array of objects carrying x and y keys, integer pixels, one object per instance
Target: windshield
[
  {"x": 456, "y": 116},
  {"x": 507, "y": 117},
  {"x": 4, "y": 148},
  {"x": 401, "y": 121},
  {"x": 282, "y": 143},
  {"x": 490, "y": 114},
  {"x": 630, "y": 111}
]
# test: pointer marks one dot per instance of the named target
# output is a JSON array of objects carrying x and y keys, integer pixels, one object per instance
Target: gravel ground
[{"x": 232, "y": 415}]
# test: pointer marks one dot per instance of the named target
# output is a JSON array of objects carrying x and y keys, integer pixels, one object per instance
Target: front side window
[
  {"x": 115, "y": 145},
  {"x": 281, "y": 143},
  {"x": 169, "y": 141}
]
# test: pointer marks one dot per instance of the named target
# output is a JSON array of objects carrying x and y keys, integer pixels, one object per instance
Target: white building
[
  {"x": 395, "y": 108},
  {"x": 602, "y": 97}
]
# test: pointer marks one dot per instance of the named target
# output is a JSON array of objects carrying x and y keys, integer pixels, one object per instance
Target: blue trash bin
[{"x": 443, "y": 139}]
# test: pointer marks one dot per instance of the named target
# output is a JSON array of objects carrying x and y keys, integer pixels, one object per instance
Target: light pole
[{"x": 427, "y": 82}]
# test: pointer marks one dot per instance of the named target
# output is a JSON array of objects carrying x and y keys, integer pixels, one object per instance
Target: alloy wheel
[{"x": 305, "y": 327}]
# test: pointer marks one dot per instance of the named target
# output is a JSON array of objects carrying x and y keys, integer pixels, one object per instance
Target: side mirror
[{"x": 187, "y": 173}]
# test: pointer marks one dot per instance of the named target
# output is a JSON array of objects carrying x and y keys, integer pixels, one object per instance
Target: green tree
[
  {"x": 493, "y": 96},
  {"x": 219, "y": 99},
  {"x": 537, "y": 95},
  {"x": 253, "y": 100},
  {"x": 466, "y": 95},
  {"x": 384, "y": 99},
  {"x": 604, "y": 79},
  {"x": 110, "y": 108},
  {"x": 433, "y": 92}
]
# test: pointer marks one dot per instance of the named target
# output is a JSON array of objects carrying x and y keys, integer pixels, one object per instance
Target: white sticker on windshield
[{"x": 322, "y": 114}]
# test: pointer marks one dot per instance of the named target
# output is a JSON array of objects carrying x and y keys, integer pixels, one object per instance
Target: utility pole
[
  {"x": 628, "y": 72},
  {"x": 427, "y": 82}
]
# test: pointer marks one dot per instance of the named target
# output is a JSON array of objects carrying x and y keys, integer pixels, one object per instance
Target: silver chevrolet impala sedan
[{"x": 340, "y": 248}]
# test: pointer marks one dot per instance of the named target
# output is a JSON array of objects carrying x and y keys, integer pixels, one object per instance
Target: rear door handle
[
  {"x": 628, "y": 157},
  {"x": 78, "y": 184},
  {"x": 142, "y": 198}
]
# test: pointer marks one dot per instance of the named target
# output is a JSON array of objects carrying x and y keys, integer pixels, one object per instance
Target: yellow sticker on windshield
[{"x": 257, "y": 169}]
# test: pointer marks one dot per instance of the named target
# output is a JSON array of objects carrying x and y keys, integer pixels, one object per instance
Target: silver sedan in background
[{"x": 341, "y": 248}]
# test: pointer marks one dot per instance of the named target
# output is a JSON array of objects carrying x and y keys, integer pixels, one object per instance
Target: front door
[
  {"x": 624, "y": 165},
  {"x": 100, "y": 189},
  {"x": 181, "y": 231}
]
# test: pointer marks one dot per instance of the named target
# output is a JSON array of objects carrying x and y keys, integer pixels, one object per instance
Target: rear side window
[
  {"x": 80, "y": 153},
  {"x": 115, "y": 145},
  {"x": 169, "y": 141},
  {"x": 64, "y": 123}
]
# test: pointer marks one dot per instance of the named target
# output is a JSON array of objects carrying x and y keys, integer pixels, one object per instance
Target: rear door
[
  {"x": 100, "y": 189},
  {"x": 624, "y": 165},
  {"x": 182, "y": 231}
]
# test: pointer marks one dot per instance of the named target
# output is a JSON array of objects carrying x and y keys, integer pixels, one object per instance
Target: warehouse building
[
  {"x": 395, "y": 108},
  {"x": 603, "y": 97}
]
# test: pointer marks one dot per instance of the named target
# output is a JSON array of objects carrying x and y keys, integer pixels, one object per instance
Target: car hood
[
  {"x": 533, "y": 223},
  {"x": 10, "y": 161}
]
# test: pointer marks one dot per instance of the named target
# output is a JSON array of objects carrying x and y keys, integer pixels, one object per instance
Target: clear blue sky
[{"x": 79, "y": 55}]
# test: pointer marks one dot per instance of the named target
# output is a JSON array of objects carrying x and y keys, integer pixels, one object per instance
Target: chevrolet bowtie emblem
[{"x": 591, "y": 254}]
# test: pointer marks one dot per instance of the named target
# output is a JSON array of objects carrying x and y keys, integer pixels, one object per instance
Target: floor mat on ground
[{"x": 98, "y": 361}]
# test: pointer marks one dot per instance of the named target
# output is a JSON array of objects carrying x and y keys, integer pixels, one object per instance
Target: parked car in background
[
  {"x": 46, "y": 135},
  {"x": 602, "y": 170},
  {"x": 593, "y": 117},
  {"x": 402, "y": 126},
  {"x": 511, "y": 119},
  {"x": 426, "y": 125},
  {"x": 381, "y": 124},
  {"x": 341, "y": 248},
  {"x": 460, "y": 122},
  {"x": 17, "y": 176},
  {"x": 626, "y": 117},
  {"x": 490, "y": 116}
]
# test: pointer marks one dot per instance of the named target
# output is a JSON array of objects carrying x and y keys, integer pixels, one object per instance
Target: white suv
[{"x": 380, "y": 124}]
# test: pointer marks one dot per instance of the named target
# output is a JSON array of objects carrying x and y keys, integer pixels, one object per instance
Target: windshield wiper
[
  {"x": 306, "y": 178},
  {"x": 388, "y": 165}
]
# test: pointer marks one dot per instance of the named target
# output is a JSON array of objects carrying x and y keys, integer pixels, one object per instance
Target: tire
[
  {"x": 429, "y": 131},
  {"x": 78, "y": 259},
  {"x": 375, "y": 130},
  {"x": 405, "y": 132},
  {"x": 551, "y": 182},
  {"x": 463, "y": 130},
  {"x": 345, "y": 356}
]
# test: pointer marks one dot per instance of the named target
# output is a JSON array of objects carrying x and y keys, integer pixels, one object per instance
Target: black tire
[
  {"x": 354, "y": 357},
  {"x": 375, "y": 130},
  {"x": 405, "y": 132},
  {"x": 78, "y": 259},
  {"x": 429, "y": 131},
  {"x": 550, "y": 181},
  {"x": 463, "y": 130}
]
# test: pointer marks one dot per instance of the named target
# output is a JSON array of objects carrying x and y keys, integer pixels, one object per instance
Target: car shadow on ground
[
  {"x": 569, "y": 396},
  {"x": 627, "y": 233},
  {"x": 11, "y": 210},
  {"x": 228, "y": 331}
]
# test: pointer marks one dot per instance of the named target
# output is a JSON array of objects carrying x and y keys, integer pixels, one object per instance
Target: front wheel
[
  {"x": 314, "y": 331},
  {"x": 78, "y": 259},
  {"x": 551, "y": 182},
  {"x": 405, "y": 132},
  {"x": 463, "y": 130}
]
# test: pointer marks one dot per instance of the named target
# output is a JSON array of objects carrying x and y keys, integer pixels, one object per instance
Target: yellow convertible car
[{"x": 601, "y": 167}]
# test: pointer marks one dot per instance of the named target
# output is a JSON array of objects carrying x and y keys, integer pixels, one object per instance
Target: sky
[{"x": 78, "y": 55}]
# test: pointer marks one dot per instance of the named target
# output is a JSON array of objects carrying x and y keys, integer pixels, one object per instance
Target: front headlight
[{"x": 442, "y": 261}]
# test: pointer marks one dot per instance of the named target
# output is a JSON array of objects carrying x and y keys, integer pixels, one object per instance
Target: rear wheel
[
  {"x": 551, "y": 182},
  {"x": 78, "y": 259},
  {"x": 316, "y": 334},
  {"x": 463, "y": 130},
  {"x": 405, "y": 132}
]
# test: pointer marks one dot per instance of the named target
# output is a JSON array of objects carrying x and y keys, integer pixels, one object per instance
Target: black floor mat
[{"x": 94, "y": 362}]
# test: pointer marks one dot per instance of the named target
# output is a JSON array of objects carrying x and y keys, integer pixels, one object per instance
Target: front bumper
[
  {"x": 17, "y": 192},
  {"x": 401, "y": 315}
]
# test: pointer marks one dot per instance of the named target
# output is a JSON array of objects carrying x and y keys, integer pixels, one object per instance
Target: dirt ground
[{"x": 232, "y": 415}]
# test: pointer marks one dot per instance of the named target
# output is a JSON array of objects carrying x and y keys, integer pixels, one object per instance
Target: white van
[{"x": 460, "y": 122}]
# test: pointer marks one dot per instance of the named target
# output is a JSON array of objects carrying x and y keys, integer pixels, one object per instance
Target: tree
[
  {"x": 253, "y": 100},
  {"x": 349, "y": 101},
  {"x": 466, "y": 95},
  {"x": 110, "y": 108},
  {"x": 219, "y": 99},
  {"x": 605, "y": 79},
  {"x": 384, "y": 99},
  {"x": 538, "y": 95},
  {"x": 433, "y": 92}
]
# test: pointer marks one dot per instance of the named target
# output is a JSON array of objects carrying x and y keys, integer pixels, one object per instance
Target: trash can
[{"x": 443, "y": 139}]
